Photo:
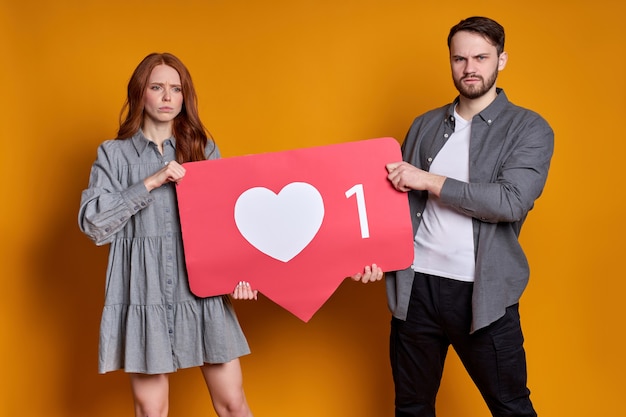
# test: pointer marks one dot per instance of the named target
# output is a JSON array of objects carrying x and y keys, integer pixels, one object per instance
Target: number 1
[{"x": 360, "y": 204}]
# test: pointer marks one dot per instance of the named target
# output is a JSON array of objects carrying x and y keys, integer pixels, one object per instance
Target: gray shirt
[
  {"x": 510, "y": 152},
  {"x": 151, "y": 322}
]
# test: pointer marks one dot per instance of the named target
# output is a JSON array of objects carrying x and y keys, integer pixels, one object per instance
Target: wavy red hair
[{"x": 191, "y": 135}]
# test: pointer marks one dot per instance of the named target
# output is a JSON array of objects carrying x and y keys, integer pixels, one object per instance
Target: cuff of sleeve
[
  {"x": 137, "y": 197},
  {"x": 451, "y": 191}
]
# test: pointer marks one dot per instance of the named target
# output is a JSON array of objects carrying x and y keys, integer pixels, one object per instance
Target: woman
[{"x": 152, "y": 324}]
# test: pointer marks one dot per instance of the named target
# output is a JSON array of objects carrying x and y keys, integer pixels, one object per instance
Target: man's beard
[{"x": 476, "y": 91}]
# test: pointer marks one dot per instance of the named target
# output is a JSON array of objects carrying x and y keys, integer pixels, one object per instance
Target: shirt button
[
  {"x": 445, "y": 135},
  {"x": 418, "y": 214},
  {"x": 430, "y": 160},
  {"x": 169, "y": 306},
  {"x": 169, "y": 281},
  {"x": 170, "y": 331}
]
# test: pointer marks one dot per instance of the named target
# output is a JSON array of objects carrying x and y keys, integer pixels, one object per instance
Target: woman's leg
[
  {"x": 225, "y": 384},
  {"x": 150, "y": 393}
]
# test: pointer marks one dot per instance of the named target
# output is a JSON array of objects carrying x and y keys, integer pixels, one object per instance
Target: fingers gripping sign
[
  {"x": 370, "y": 274},
  {"x": 243, "y": 291},
  {"x": 174, "y": 172},
  {"x": 171, "y": 172},
  {"x": 406, "y": 177}
]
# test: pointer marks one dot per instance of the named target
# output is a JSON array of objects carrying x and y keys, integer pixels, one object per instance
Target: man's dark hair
[{"x": 491, "y": 30}]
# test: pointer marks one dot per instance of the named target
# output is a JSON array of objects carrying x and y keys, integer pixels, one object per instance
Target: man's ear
[{"x": 502, "y": 60}]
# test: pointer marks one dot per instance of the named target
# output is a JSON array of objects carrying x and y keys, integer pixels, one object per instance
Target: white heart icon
[{"x": 280, "y": 225}]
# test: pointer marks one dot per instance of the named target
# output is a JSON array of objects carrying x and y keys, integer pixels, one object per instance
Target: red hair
[{"x": 190, "y": 134}]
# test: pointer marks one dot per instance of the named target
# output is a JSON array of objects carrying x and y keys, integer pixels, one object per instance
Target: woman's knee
[
  {"x": 232, "y": 407},
  {"x": 225, "y": 383},
  {"x": 150, "y": 395}
]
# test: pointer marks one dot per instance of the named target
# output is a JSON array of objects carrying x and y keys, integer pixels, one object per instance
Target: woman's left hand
[{"x": 243, "y": 291}]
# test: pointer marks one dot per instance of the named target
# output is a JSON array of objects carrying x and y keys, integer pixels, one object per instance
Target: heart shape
[{"x": 280, "y": 225}]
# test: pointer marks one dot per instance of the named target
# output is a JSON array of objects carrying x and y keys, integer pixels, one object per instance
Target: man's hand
[
  {"x": 370, "y": 274},
  {"x": 405, "y": 177}
]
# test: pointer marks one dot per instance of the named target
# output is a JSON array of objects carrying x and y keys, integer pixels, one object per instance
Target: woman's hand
[
  {"x": 370, "y": 274},
  {"x": 172, "y": 172},
  {"x": 243, "y": 291}
]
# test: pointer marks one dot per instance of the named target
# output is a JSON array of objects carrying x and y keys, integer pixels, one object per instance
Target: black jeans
[{"x": 440, "y": 315}]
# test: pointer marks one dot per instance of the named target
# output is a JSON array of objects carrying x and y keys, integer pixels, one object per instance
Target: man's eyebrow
[{"x": 472, "y": 56}]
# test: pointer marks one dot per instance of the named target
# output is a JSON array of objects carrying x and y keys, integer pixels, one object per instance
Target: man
[{"x": 473, "y": 170}]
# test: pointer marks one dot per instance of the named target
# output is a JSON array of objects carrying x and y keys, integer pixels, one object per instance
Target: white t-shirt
[{"x": 444, "y": 242}]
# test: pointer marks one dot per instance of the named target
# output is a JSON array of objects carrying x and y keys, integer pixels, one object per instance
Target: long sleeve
[
  {"x": 509, "y": 169},
  {"x": 107, "y": 205}
]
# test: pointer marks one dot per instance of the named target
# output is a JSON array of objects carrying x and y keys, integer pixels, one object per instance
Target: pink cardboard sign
[{"x": 294, "y": 224}]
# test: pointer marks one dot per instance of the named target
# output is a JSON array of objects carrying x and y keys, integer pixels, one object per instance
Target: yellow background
[{"x": 282, "y": 74}]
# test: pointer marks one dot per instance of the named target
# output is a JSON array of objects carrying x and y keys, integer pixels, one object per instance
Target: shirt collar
[
  {"x": 140, "y": 142},
  {"x": 489, "y": 113}
]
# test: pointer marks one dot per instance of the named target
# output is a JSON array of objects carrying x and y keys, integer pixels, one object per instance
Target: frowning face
[
  {"x": 163, "y": 98},
  {"x": 475, "y": 64}
]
